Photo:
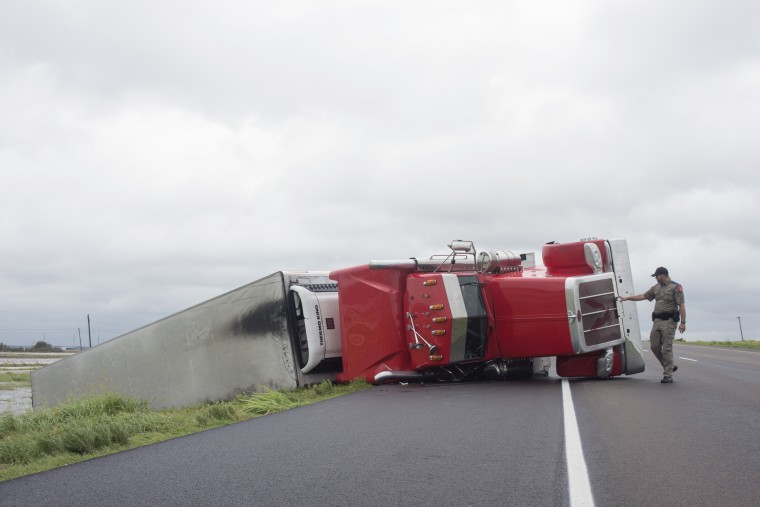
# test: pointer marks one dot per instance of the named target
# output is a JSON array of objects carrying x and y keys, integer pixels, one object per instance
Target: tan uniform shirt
[{"x": 668, "y": 296}]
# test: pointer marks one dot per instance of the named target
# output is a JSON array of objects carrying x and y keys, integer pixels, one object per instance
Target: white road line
[
  {"x": 577, "y": 474},
  {"x": 687, "y": 359}
]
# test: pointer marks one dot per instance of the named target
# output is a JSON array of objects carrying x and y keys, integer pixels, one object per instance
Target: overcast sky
[{"x": 155, "y": 154}]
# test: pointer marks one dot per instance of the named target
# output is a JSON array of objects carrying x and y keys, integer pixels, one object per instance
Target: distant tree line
[{"x": 40, "y": 346}]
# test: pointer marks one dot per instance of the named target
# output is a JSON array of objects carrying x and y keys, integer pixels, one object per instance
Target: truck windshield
[{"x": 477, "y": 318}]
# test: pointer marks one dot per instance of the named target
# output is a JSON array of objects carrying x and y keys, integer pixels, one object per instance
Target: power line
[{"x": 38, "y": 329}]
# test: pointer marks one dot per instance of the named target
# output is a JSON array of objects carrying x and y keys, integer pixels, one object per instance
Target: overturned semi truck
[{"x": 462, "y": 315}]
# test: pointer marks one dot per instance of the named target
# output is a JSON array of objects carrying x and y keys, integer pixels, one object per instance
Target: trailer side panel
[{"x": 212, "y": 351}]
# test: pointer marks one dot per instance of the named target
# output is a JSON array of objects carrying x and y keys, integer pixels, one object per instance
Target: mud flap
[{"x": 634, "y": 359}]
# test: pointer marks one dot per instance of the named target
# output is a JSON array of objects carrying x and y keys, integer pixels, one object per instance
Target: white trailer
[{"x": 256, "y": 335}]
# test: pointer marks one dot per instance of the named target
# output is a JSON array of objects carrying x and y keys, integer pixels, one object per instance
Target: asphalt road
[{"x": 694, "y": 442}]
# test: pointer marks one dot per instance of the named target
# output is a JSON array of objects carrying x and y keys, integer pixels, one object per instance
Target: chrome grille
[{"x": 599, "y": 315}]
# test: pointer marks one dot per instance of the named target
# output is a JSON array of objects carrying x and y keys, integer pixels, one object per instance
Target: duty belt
[{"x": 666, "y": 315}]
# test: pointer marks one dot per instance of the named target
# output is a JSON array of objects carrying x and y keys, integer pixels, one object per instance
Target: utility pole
[
  {"x": 740, "y": 328},
  {"x": 79, "y": 330},
  {"x": 89, "y": 331}
]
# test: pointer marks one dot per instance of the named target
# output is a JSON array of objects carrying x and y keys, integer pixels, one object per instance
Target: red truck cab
[{"x": 491, "y": 314}]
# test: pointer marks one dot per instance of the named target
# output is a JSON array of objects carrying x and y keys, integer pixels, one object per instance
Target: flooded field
[
  {"x": 16, "y": 396},
  {"x": 17, "y": 400}
]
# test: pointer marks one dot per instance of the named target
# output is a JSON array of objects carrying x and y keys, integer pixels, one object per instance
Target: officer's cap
[{"x": 660, "y": 271}]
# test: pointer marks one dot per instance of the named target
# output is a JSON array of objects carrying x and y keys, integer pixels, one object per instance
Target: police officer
[{"x": 669, "y": 308}]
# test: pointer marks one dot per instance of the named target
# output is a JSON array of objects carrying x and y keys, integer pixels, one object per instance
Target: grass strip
[
  {"x": 746, "y": 344},
  {"x": 15, "y": 377},
  {"x": 109, "y": 423},
  {"x": 271, "y": 401},
  {"x": 12, "y": 386}
]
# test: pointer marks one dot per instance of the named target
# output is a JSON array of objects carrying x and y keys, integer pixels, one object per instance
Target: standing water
[{"x": 16, "y": 397}]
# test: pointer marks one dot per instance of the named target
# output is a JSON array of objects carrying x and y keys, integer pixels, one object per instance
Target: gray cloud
[{"x": 157, "y": 154}]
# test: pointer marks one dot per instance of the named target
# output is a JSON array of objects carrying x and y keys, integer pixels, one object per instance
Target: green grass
[
  {"x": 15, "y": 377},
  {"x": 746, "y": 344},
  {"x": 109, "y": 423},
  {"x": 13, "y": 380},
  {"x": 270, "y": 401},
  {"x": 12, "y": 386}
]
